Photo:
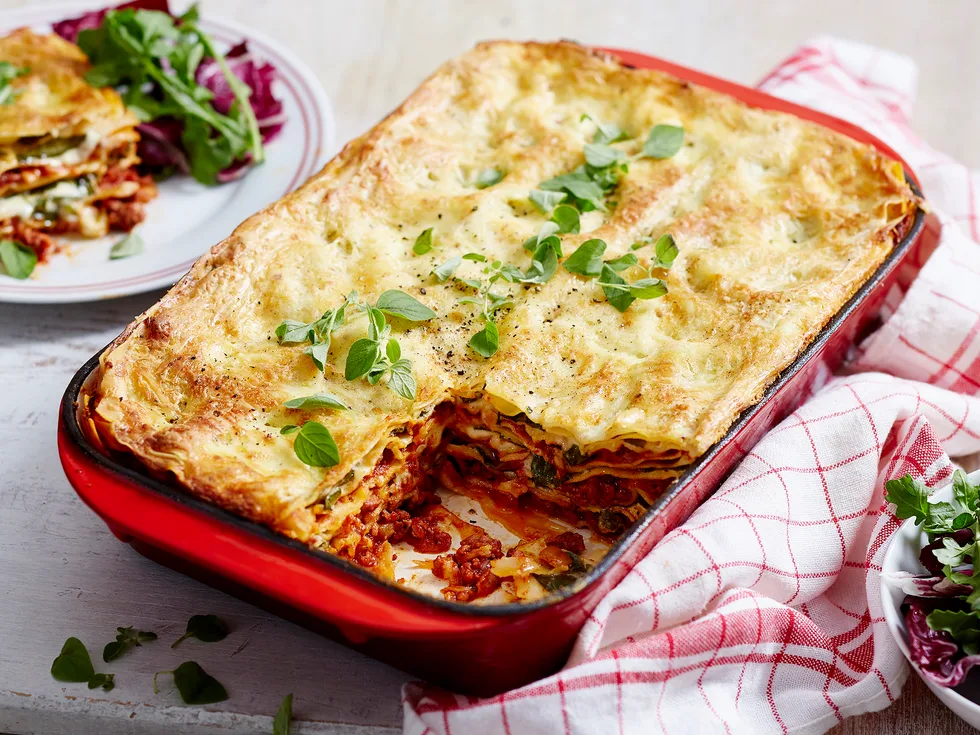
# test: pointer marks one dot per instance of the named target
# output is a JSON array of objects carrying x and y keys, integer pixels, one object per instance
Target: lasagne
[
  {"x": 67, "y": 149},
  {"x": 585, "y": 413}
]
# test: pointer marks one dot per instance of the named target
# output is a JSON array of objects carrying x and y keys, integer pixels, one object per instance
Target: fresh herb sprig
[
  {"x": 9, "y": 72},
  {"x": 546, "y": 248},
  {"x": 587, "y": 261},
  {"x": 318, "y": 333},
  {"x": 196, "y": 686},
  {"x": 126, "y": 638},
  {"x": 487, "y": 340},
  {"x": 379, "y": 354},
  {"x": 621, "y": 294},
  {"x": 314, "y": 445},
  {"x": 373, "y": 357},
  {"x": 74, "y": 665},
  {"x": 207, "y": 628},
  {"x": 586, "y": 187}
]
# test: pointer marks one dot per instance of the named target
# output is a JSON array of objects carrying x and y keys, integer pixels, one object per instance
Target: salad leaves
[
  {"x": 202, "y": 112},
  {"x": 942, "y": 611}
]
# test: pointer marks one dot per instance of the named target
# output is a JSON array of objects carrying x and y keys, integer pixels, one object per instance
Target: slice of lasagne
[
  {"x": 591, "y": 406},
  {"x": 67, "y": 149}
]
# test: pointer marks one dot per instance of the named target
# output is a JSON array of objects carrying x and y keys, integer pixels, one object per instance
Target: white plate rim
[{"x": 319, "y": 131}]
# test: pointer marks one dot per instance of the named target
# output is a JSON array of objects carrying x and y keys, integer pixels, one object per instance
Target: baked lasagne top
[{"x": 778, "y": 222}]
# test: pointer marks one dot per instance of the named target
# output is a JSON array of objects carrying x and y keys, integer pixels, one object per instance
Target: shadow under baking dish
[{"x": 479, "y": 649}]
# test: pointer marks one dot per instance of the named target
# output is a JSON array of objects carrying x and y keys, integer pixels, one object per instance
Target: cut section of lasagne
[
  {"x": 67, "y": 149},
  {"x": 586, "y": 413}
]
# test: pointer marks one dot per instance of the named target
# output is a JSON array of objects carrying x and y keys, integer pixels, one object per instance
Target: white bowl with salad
[{"x": 929, "y": 593}]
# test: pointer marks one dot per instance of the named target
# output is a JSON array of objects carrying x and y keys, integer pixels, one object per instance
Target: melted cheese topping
[{"x": 778, "y": 221}]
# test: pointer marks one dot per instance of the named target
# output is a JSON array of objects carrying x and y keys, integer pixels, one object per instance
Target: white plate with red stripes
[{"x": 187, "y": 218}]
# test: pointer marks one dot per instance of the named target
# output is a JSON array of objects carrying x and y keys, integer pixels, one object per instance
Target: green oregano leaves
[
  {"x": 18, "y": 260},
  {"x": 587, "y": 258},
  {"x": 423, "y": 243},
  {"x": 105, "y": 681},
  {"x": 374, "y": 357},
  {"x": 73, "y": 664},
  {"x": 488, "y": 177},
  {"x": 280, "y": 723},
  {"x": 546, "y": 200},
  {"x": 587, "y": 261},
  {"x": 605, "y": 132},
  {"x": 601, "y": 155},
  {"x": 663, "y": 142},
  {"x": 366, "y": 354},
  {"x": 586, "y": 187},
  {"x": 486, "y": 341},
  {"x": 315, "y": 446},
  {"x": 566, "y": 218},
  {"x": 196, "y": 686},
  {"x": 193, "y": 683},
  {"x": 126, "y": 638},
  {"x": 319, "y": 400},
  {"x": 400, "y": 304},
  {"x": 207, "y": 628}
]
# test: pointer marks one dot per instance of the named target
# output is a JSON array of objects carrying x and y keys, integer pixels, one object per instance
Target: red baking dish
[{"x": 467, "y": 648}]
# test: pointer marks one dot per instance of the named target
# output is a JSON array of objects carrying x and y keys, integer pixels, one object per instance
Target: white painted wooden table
[{"x": 62, "y": 573}]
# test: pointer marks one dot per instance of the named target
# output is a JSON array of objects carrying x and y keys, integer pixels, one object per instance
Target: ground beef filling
[
  {"x": 425, "y": 536},
  {"x": 570, "y": 541},
  {"x": 468, "y": 568},
  {"x": 41, "y": 243},
  {"x": 124, "y": 214}
]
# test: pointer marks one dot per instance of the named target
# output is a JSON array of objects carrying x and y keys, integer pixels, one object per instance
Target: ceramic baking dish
[{"x": 478, "y": 649}]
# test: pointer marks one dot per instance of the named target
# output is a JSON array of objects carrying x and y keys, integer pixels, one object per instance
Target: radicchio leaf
[
  {"x": 934, "y": 652},
  {"x": 160, "y": 145},
  {"x": 258, "y": 74},
  {"x": 70, "y": 28},
  {"x": 926, "y": 585}
]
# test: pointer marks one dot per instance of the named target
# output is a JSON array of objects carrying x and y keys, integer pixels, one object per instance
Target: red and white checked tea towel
[{"x": 762, "y": 614}]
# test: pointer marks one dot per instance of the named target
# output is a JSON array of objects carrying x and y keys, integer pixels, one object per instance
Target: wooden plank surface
[{"x": 64, "y": 574}]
